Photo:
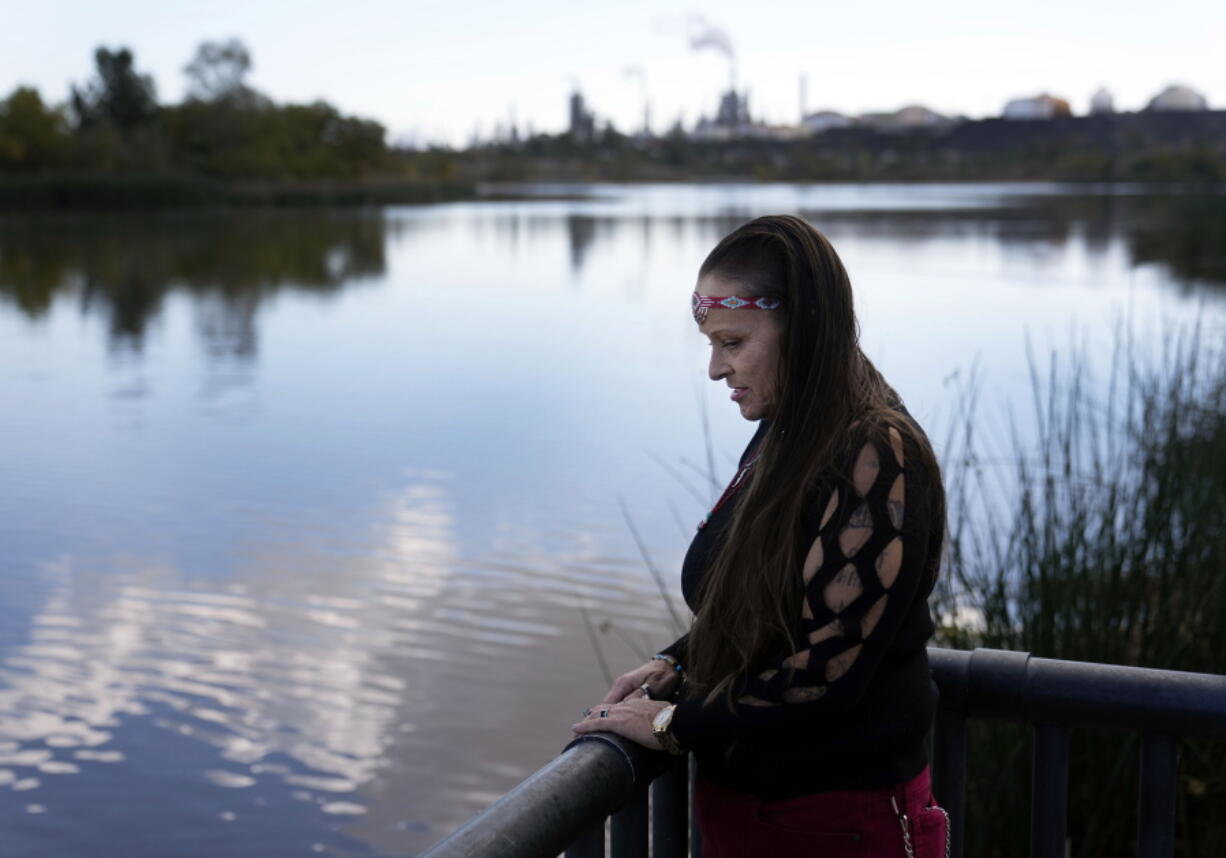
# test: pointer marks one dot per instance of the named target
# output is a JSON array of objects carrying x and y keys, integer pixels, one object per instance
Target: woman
[{"x": 802, "y": 686}]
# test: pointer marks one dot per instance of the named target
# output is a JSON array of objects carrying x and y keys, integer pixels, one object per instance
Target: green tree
[
  {"x": 217, "y": 72},
  {"x": 33, "y": 136},
  {"x": 227, "y": 130},
  {"x": 118, "y": 95}
]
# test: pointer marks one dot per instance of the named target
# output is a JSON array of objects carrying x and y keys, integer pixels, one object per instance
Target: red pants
[{"x": 845, "y": 824}]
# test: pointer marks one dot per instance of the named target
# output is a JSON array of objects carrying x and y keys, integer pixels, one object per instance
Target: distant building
[
  {"x": 824, "y": 120},
  {"x": 904, "y": 119},
  {"x": 731, "y": 119},
  {"x": 733, "y": 109},
  {"x": 907, "y": 118},
  {"x": 1178, "y": 97},
  {"x": 778, "y": 132},
  {"x": 1102, "y": 102},
  {"x": 1041, "y": 106},
  {"x": 582, "y": 120}
]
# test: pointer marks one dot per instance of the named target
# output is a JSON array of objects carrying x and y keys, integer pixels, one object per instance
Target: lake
[{"x": 319, "y": 528}]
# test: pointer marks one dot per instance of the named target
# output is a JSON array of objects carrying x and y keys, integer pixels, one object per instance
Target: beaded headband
[{"x": 700, "y": 304}]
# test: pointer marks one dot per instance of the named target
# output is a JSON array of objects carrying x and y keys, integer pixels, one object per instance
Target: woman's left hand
[{"x": 630, "y": 719}]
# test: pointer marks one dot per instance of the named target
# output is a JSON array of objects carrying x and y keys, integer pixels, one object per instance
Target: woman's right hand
[{"x": 658, "y": 676}]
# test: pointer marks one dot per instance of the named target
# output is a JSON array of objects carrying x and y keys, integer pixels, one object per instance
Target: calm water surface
[{"x": 308, "y": 521}]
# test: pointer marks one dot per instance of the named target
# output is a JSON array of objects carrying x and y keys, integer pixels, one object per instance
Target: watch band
[
  {"x": 663, "y": 735},
  {"x": 669, "y": 743}
]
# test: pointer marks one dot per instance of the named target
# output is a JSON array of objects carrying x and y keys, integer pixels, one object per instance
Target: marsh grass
[{"x": 1102, "y": 539}]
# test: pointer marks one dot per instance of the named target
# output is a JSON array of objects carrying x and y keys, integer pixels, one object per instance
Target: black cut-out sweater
[{"x": 856, "y": 712}]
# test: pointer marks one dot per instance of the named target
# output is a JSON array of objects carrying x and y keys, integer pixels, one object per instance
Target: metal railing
[
  {"x": 563, "y": 806},
  {"x": 1055, "y": 696}
]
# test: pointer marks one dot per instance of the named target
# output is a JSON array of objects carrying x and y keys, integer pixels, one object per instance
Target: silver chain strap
[
  {"x": 949, "y": 829},
  {"x": 906, "y": 828},
  {"x": 905, "y": 823}
]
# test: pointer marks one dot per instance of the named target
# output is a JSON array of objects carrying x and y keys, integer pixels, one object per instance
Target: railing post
[
  {"x": 670, "y": 804},
  {"x": 1156, "y": 801},
  {"x": 1049, "y": 791},
  {"x": 589, "y": 844},
  {"x": 951, "y": 670},
  {"x": 629, "y": 827},
  {"x": 949, "y": 775},
  {"x": 695, "y": 832}
]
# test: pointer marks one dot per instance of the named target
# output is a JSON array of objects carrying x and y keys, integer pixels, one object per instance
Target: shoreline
[
  {"x": 63, "y": 192},
  {"x": 73, "y": 193}
]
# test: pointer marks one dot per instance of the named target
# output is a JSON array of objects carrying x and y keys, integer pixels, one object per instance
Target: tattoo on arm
[
  {"x": 895, "y": 509},
  {"x": 861, "y": 517},
  {"x": 847, "y": 577}
]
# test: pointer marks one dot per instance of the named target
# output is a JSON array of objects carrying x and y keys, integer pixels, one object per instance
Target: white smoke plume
[{"x": 703, "y": 35}]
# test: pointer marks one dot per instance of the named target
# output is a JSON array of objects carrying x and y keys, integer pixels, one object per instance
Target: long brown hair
[{"x": 751, "y": 595}]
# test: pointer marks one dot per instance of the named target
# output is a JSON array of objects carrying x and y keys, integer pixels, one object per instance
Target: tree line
[{"x": 113, "y": 124}]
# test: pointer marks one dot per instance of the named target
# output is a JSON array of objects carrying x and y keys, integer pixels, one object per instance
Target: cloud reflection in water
[{"x": 284, "y": 679}]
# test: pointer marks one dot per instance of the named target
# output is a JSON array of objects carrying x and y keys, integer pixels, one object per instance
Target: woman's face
[{"x": 744, "y": 349}]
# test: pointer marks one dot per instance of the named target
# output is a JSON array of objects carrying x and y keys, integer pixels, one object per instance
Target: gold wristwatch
[{"x": 659, "y": 729}]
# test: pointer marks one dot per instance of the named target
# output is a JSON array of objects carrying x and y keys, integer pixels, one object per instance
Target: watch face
[{"x": 663, "y": 718}]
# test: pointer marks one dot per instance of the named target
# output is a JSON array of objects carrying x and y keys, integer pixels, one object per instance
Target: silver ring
[
  {"x": 646, "y": 691},
  {"x": 604, "y": 713}
]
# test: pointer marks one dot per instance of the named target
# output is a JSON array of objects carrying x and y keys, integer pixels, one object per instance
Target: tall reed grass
[{"x": 1098, "y": 534}]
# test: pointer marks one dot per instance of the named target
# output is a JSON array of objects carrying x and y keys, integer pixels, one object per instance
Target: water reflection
[
  {"x": 582, "y": 232},
  {"x": 353, "y": 694},
  {"x": 293, "y": 683},
  {"x": 122, "y": 268},
  {"x": 1183, "y": 232},
  {"x": 1188, "y": 234}
]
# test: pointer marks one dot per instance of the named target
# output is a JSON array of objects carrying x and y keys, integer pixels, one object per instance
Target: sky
[{"x": 435, "y": 71}]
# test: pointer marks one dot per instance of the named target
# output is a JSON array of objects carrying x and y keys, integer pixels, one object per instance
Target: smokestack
[{"x": 638, "y": 73}]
